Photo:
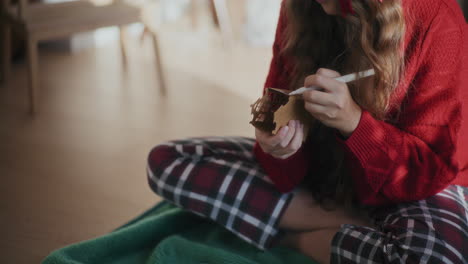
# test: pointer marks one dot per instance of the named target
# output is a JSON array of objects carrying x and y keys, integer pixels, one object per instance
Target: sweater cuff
[
  {"x": 287, "y": 173},
  {"x": 370, "y": 155},
  {"x": 367, "y": 140}
]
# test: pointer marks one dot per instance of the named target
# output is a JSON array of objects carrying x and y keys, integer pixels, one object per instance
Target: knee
[
  {"x": 423, "y": 241},
  {"x": 161, "y": 154},
  {"x": 159, "y": 160}
]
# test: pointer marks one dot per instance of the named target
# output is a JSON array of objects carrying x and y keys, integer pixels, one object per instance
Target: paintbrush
[{"x": 345, "y": 78}]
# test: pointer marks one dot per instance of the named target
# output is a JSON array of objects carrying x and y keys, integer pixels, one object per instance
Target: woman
[{"x": 383, "y": 174}]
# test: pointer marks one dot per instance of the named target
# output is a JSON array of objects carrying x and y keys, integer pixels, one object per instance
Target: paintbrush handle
[{"x": 345, "y": 78}]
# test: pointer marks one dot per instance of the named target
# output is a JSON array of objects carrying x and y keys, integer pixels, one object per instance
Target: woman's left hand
[{"x": 332, "y": 104}]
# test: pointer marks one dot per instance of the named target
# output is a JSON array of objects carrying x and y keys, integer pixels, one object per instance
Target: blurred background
[{"x": 89, "y": 87}]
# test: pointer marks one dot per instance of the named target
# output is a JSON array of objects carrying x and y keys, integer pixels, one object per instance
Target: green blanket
[{"x": 166, "y": 234}]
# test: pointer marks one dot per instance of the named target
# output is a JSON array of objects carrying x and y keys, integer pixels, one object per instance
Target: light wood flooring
[{"x": 77, "y": 169}]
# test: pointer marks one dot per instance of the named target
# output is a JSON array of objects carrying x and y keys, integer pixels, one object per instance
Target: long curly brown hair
[{"x": 372, "y": 37}]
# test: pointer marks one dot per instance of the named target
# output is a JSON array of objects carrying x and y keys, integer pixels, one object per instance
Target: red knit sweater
[{"x": 427, "y": 149}]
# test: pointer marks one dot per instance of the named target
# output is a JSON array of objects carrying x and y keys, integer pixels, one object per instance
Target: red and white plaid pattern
[
  {"x": 434, "y": 230},
  {"x": 219, "y": 178}
]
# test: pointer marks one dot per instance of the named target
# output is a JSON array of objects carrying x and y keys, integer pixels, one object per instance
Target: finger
[
  {"x": 318, "y": 97},
  {"x": 326, "y": 83},
  {"x": 292, "y": 130},
  {"x": 262, "y": 136},
  {"x": 315, "y": 109},
  {"x": 294, "y": 145},
  {"x": 328, "y": 73},
  {"x": 321, "y": 112},
  {"x": 281, "y": 154},
  {"x": 296, "y": 141},
  {"x": 276, "y": 139},
  {"x": 267, "y": 140}
]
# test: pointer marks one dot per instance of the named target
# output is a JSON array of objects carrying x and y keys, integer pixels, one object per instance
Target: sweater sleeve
[
  {"x": 288, "y": 173},
  {"x": 414, "y": 158}
]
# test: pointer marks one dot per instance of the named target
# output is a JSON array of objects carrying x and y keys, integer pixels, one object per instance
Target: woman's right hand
[{"x": 285, "y": 143}]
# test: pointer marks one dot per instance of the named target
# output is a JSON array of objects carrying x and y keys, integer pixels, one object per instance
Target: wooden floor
[{"x": 77, "y": 169}]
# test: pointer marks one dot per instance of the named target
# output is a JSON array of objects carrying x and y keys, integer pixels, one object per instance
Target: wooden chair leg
[
  {"x": 6, "y": 52},
  {"x": 214, "y": 14},
  {"x": 193, "y": 13},
  {"x": 222, "y": 14},
  {"x": 33, "y": 74},
  {"x": 122, "y": 47},
  {"x": 159, "y": 67}
]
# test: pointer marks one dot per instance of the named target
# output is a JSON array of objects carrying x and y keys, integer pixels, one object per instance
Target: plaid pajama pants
[{"x": 219, "y": 178}]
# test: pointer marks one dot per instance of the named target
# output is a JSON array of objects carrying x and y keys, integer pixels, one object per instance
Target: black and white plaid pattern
[
  {"x": 219, "y": 178},
  {"x": 434, "y": 230}
]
